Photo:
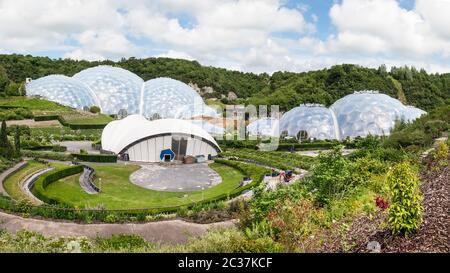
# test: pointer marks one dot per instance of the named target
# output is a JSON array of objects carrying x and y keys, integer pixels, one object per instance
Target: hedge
[
  {"x": 306, "y": 146},
  {"x": 63, "y": 211},
  {"x": 45, "y": 118},
  {"x": 68, "y": 124},
  {"x": 50, "y": 177},
  {"x": 96, "y": 158},
  {"x": 47, "y": 155}
]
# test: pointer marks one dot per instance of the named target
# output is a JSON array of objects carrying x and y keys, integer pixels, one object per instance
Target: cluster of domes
[
  {"x": 358, "y": 114},
  {"x": 114, "y": 89}
]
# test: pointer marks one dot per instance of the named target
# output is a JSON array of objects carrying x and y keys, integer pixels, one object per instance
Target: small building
[{"x": 164, "y": 140}]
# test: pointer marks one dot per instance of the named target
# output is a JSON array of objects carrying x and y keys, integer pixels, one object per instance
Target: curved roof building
[
  {"x": 63, "y": 90},
  {"x": 114, "y": 89},
  {"x": 316, "y": 120},
  {"x": 264, "y": 127},
  {"x": 149, "y": 141},
  {"x": 367, "y": 112}
]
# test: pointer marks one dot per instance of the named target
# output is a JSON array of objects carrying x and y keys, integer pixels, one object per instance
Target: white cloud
[{"x": 236, "y": 34}]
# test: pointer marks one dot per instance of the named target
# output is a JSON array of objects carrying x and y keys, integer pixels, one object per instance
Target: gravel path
[{"x": 164, "y": 232}]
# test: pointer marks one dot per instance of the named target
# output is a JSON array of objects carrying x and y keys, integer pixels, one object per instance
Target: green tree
[
  {"x": 405, "y": 211},
  {"x": 17, "y": 141},
  {"x": 4, "y": 80},
  {"x": 94, "y": 109},
  {"x": 3, "y": 135}
]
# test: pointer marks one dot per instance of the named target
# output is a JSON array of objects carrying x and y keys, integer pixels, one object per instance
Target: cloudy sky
[{"x": 247, "y": 35}]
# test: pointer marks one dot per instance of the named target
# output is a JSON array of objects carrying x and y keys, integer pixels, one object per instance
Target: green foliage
[
  {"x": 6, "y": 149},
  {"x": 17, "y": 141},
  {"x": 405, "y": 211},
  {"x": 95, "y": 158},
  {"x": 47, "y": 155},
  {"x": 15, "y": 114},
  {"x": 272, "y": 159},
  {"x": 421, "y": 132},
  {"x": 94, "y": 109},
  {"x": 4, "y": 80}
]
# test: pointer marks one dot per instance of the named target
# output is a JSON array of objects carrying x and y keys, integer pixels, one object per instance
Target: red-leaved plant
[{"x": 381, "y": 203}]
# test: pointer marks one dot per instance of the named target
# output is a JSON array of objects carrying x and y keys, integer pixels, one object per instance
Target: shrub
[
  {"x": 96, "y": 158},
  {"x": 405, "y": 212},
  {"x": 331, "y": 176},
  {"x": 59, "y": 148},
  {"x": 94, "y": 109}
]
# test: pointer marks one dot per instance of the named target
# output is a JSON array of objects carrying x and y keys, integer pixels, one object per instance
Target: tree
[
  {"x": 5, "y": 147},
  {"x": 4, "y": 80},
  {"x": 94, "y": 109},
  {"x": 17, "y": 141},
  {"x": 3, "y": 135}
]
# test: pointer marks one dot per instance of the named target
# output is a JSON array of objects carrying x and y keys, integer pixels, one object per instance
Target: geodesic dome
[
  {"x": 63, "y": 90},
  {"x": 172, "y": 99},
  {"x": 367, "y": 112},
  {"x": 412, "y": 113},
  {"x": 314, "y": 119},
  {"x": 208, "y": 127},
  {"x": 264, "y": 127},
  {"x": 115, "y": 88}
]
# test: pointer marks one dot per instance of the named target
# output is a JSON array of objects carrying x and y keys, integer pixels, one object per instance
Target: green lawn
[
  {"x": 13, "y": 183},
  {"x": 78, "y": 118},
  {"x": 117, "y": 192},
  {"x": 37, "y": 106}
]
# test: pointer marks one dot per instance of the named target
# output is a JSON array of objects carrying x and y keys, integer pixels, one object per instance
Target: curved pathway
[
  {"x": 7, "y": 173},
  {"x": 29, "y": 182},
  {"x": 165, "y": 232}
]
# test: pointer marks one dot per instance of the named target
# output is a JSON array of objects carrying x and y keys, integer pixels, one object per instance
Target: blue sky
[{"x": 246, "y": 35}]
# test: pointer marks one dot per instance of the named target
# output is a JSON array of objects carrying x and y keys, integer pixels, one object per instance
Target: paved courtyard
[{"x": 176, "y": 178}]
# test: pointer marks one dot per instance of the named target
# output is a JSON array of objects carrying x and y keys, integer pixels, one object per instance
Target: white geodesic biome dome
[
  {"x": 171, "y": 98},
  {"x": 367, "y": 112},
  {"x": 264, "y": 127},
  {"x": 316, "y": 120},
  {"x": 114, "y": 89},
  {"x": 63, "y": 90}
]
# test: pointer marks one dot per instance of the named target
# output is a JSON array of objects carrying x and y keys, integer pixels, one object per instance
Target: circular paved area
[{"x": 176, "y": 178}]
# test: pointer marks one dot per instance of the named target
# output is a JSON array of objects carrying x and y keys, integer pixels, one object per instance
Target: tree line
[{"x": 287, "y": 89}]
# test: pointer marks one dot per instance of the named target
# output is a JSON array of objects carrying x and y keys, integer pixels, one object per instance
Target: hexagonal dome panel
[
  {"x": 314, "y": 119},
  {"x": 64, "y": 90}
]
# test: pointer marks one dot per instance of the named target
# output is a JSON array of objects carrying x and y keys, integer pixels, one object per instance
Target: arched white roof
[{"x": 118, "y": 134}]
